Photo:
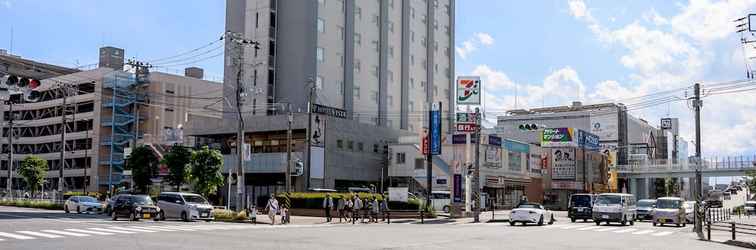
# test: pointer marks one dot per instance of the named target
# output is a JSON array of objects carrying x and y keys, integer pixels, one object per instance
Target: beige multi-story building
[
  {"x": 383, "y": 61},
  {"x": 106, "y": 111}
]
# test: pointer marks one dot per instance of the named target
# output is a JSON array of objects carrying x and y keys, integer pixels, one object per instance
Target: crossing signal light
[
  {"x": 34, "y": 83},
  {"x": 11, "y": 80},
  {"x": 32, "y": 95}
]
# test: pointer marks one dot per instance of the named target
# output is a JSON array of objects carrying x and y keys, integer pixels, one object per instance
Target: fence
[{"x": 720, "y": 219}]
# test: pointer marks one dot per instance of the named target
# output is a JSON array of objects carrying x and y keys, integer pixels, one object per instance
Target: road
[{"x": 22, "y": 228}]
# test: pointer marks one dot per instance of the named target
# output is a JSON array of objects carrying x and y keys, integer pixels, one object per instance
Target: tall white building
[{"x": 382, "y": 61}]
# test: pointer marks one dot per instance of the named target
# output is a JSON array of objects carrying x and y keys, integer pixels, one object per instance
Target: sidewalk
[{"x": 499, "y": 216}]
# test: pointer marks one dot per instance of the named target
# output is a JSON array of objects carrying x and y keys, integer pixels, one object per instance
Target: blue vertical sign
[
  {"x": 457, "y": 184},
  {"x": 435, "y": 132}
]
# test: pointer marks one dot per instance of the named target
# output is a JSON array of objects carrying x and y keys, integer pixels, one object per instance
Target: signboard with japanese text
[
  {"x": 588, "y": 141},
  {"x": 558, "y": 137},
  {"x": 468, "y": 90},
  {"x": 605, "y": 126},
  {"x": 563, "y": 164},
  {"x": 329, "y": 111},
  {"x": 435, "y": 131},
  {"x": 466, "y": 127}
]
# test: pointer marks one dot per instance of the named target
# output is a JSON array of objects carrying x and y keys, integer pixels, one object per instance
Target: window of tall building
[
  {"x": 350, "y": 145},
  {"x": 321, "y": 25},
  {"x": 321, "y": 2},
  {"x": 412, "y": 83},
  {"x": 412, "y": 106},
  {"x": 390, "y": 100},
  {"x": 412, "y": 59},
  {"x": 374, "y": 96},
  {"x": 254, "y": 106},
  {"x": 357, "y": 39},
  {"x": 339, "y": 143},
  {"x": 356, "y": 91},
  {"x": 341, "y": 60},
  {"x": 320, "y": 54},
  {"x": 340, "y": 85},
  {"x": 341, "y": 32},
  {"x": 401, "y": 158},
  {"x": 391, "y": 3},
  {"x": 377, "y": 20},
  {"x": 412, "y": 12},
  {"x": 423, "y": 42},
  {"x": 424, "y": 18},
  {"x": 319, "y": 82},
  {"x": 412, "y": 36},
  {"x": 257, "y": 19},
  {"x": 360, "y": 147},
  {"x": 358, "y": 13},
  {"x": 254, "y": 78},
  {"x": 375, "y": 71},
  {"x": 391, "y": 26},
  {"x": 357, "y": 66},
  {"x": 376, "y": 46},
  {"x": 391, "y": 51},
  {"x": 390, "y": 76}
]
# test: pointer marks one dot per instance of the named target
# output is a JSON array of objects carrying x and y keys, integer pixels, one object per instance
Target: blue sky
[{"x": 549, "y": 52}]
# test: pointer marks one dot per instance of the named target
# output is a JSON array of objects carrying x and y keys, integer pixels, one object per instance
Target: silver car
[
  {"x": 184, "y": 206},
  {"x": 82, "y": 204}
]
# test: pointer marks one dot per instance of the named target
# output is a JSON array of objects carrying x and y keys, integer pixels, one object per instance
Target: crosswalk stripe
[
  {"x": 65, "y": 233},
  {"x": 573, "y": 227},
  {"x": 88, "y": 231},
  {"x": 180, "y": 228},
  {"x": 38, "y": 234},
  {"x": 589, "y": 228},
  {"x": 663, "y": 233},
  {"x": 644, "y": 232},
  {"x": 626, "y": 230},
  {"x": 157, "y": 228},
  {"x": 133, "y": 229},
  {"x": 607, "y": 229},
  {"x": 111, "y": 230},
  {"x": 16, "y": 236}
]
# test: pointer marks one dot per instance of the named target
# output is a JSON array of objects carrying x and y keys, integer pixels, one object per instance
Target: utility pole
[
  {"x": 9, "y": 185},
  {"x": 697, "y": 103},
  {"x": 428, "y": 162},
  {"x": 239, "y": 41},
  {"x": 64, "y": 108},
  {"x": 287, "y": 173},
  {"x": 309, "y": 132},
  {"x": 476, "y": 173}
]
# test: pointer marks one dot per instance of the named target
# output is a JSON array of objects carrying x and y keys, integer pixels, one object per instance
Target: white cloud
[
  {"x": 7, "y": 4},
  {"x": 470, "y": 45},
  {"x": 652, "y": 16},
  {"x": 493, "y": 80},
  {"x": 706, "y": 21},
  {"x": 578, "y": 9}
]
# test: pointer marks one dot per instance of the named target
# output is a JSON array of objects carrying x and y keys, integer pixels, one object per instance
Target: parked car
[
  {"x": 530, "y": 213},
  {"x": 644, "y": 208},
  {"x": 669, "y": 210},
  {"x": 614, "y": 207},
  {"x": 690, "y": 211},
  {"x": 750, "y": 207},
  {"x": 441, "y": 200},
  {"x": 580, "y": 207},
  {"x": 82, "y": 204},
  {"x": 135, "y": 207},
  {"x": 184, "y": 206}
]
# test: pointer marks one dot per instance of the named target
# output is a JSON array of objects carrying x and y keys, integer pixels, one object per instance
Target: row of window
[{"x": 352, "y": 146}]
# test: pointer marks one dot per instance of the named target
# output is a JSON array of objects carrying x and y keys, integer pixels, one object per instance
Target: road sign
[
  {"x": 466, "y": 127},
  {"x": 329, "y": 111},
  {"x": 666, "y": 123},
  {"x": 466, "y": 117}
]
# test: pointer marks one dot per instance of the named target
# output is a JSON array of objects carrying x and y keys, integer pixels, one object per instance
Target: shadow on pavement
[{"x": 20, "y": 215}]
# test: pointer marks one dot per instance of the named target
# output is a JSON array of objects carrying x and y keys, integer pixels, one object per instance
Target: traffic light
[
  {"x": 531, "y": 127},
  {"x": 31, "y": 95},
  {"x": 298, "y": 168},
  {"x": 11, "y": 80}
]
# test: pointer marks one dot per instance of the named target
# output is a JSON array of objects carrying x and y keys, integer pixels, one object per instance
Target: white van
[
  {"x": 614, "y": 207},
  {"x": 440, "y": 200}
]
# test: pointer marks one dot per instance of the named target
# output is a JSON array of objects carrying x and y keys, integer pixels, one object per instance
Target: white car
[
  {"x": 690, "y": 211},
  {"x": 82, "y": 204},
  {"x": 531, "y": 213}
]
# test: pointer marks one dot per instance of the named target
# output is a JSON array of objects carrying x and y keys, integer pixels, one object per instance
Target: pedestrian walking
[
  {"x": 272, "y": 208},
  {"x": 348, "y": 204},
  {"x": 384, "y": 209},
  {"x": 374, "y": 210},
  {"x": 327, "y": 206},
  {"x": 340, "y": 208},
  {"x": 366, "y": 210},
  {"x": 357, "y": 209}
]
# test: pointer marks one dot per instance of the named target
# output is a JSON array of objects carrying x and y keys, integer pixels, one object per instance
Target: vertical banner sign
[
  {"x": 468, "y": 90},
  {"x": 435, "y": 130},
  {"x": 457, "y": 188},
  {"x": 317, "y": 150}
]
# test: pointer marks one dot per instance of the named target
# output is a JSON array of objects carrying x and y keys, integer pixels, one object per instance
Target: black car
[
  {"x": 135, "y": 207},
  {"x": 581, "y": 207}
]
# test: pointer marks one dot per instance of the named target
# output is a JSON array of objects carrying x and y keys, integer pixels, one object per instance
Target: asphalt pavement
[{"x": 22, "y": 228}]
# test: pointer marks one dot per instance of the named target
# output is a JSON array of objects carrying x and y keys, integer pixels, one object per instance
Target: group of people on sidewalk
[
  {"x": 355, "y": 209},
  {"x": 273, "y": 208}
]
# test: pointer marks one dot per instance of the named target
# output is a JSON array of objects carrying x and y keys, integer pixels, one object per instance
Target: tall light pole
[
  {"x": 310, "y": 102},
  {"x": 9, "y": 184},
  {"x": 287, "y": 173},
  {"x": 697, "y": 103}
]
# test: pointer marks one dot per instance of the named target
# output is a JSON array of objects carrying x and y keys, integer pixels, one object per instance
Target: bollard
[
  {"x": 733, "y": 230},
  {"x": 422, "y": 216},
  {"x": 388, "y": 217}
]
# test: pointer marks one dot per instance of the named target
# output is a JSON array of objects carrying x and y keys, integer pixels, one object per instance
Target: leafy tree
[
  {"x": 671, "y": 186},
  {"x": 206, "y": 170},
  {"x": 34, "y": 170},
  {"x": 751, "y": 179},
  {"x": 178, "y": 161},
  {"x": 143, "y": 165}
]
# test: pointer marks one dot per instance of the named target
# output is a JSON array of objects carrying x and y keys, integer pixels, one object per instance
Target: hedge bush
[
  {"x": 228, "y": 215},
  {"x": 32, "y": 204},
  {"x": 315, "y": 200}
]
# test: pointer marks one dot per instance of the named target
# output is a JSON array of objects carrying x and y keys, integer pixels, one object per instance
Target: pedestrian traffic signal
[
  {"x": 531, "y": 127},
  {"x": 11, "y": 80},
  {"x": 32, "y": 95}
]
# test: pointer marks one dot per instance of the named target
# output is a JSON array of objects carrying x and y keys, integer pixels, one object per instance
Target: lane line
[
  {"x": 644, "y": 232},
  {"x": 132, "y": 229},
  {"x": 589, "y": 228},
  {"x": 626, "y": 230},
  {"x": 110, "y": 230},
  {"x": 157, "y": 228},
  {"x": 180, "y": 228},
  {"x": 38, "y": 234},
  {"x": 663, "y": 233},
  {"x": 66, "y": 233},
  {"x": 87, "y": 231},
  {"x": 573, "y": 227},
  {"x": 16, "y": 236}
]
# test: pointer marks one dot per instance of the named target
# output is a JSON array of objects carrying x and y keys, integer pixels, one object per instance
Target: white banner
[
  {"x": 398, "y": 194},
  {"x": 317, "y": 162},
  {"x": 605, "y": 126},
  {"x": 563, "y": 162},
  {"x": 318, "y": 130}
]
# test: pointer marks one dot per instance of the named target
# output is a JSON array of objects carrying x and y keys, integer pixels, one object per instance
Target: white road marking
[
  {"x": 88, "y": 231},
  {"x": 132, "y": 229},
  {"x": 606, "y": 229},
  {"x": 589, "y": 228},
  {"x": 38, "y": 234},
  {"x": 66, "y": 233},
  {"x": 180, "y": 228},
  {"x": 573, "y": 227},
  {"x": 159, "y": 228},
  {"x": 644, "y": 232},
  {"x": 16, "y": 236},
  {"x": 111, "y": 230},
  {"x": 626, "y": 230},
  {"x": 663, "y": 233}
]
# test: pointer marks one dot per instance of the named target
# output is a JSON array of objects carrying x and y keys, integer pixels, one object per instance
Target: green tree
[
  {"x": 178, "y": 161},
  {"x": 671, "y": 186},
  {"x": 34, "y": 170},
  {"x": 206, "y": 170},
  {"x": 751, "y": 179},
  {"x": 143, "y": 165}
]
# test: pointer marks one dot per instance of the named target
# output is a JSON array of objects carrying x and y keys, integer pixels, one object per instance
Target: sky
[{"x": 529, "y": 53}]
